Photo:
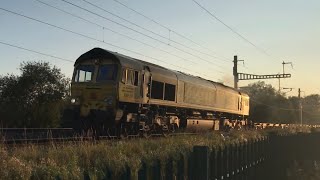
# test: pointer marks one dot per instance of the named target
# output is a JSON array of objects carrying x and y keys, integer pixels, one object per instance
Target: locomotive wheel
[
  {"x": 123, "y": 136},
  {"x": 173, "y": 128},
  {"x": 92, "y": 133},
  {"x": 123, "y": 132},
  {"x": 108, "y": 132},
  {"x": 166, "y": 133},
  {"x": 111, "y": 132},
  {"x": 146, "y": 132}
]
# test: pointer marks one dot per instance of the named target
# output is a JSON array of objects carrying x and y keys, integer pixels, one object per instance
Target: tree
[
  {"x": 311, "y": 109},
  {"x": 10, "y": 106},
  {"x": 294, "y": 103},
  {"x": 268, "y": 105},
  {"x": 33, "y": 99}
]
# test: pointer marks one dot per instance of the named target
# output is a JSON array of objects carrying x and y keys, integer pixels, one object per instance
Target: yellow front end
[
  {"x": 91, "y": 97},
  {"x": 94, "y": 93}
]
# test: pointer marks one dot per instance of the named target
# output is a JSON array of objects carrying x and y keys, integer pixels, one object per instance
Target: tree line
[
  {"x": 269, "y": 105},
  {"x": 38, "y": 95}
]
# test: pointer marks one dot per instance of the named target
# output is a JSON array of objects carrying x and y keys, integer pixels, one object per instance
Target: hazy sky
[{"x": 286, "y": 30}]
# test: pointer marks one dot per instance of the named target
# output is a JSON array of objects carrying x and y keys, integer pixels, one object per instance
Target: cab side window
[
  {"x": 124, "y": 76},
  {"x": 130, "y": 77},
  {"x": 136, "y": 78}
]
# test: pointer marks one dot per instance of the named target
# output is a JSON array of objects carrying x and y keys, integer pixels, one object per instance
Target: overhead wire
[
  {"x": 170, "y": 30},
  {"x": 113, "y": 31},
  {"x": 157, "y": 34},
  {"x": 94, "y": 39},
  {"x": 232, "y": 30},
  {"x": 34, "y": 51},
  {"x": 127, "y": 27}
]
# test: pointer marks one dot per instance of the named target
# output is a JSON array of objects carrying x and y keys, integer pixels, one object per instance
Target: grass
[
  {"x": 70, "y": 160},
  {"x": 307, "y": 169}
]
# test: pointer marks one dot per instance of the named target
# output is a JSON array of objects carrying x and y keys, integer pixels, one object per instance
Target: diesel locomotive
[{"x": 115, "y": 94}]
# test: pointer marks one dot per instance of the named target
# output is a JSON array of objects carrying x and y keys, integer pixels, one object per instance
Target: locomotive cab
[
  {"x": 94, "y": 92},
  {"x": 93, "y": 86},
  {"x": 107, "y": 91}
]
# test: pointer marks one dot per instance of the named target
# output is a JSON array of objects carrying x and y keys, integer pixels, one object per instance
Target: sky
[{"x": 176, "y": 34}]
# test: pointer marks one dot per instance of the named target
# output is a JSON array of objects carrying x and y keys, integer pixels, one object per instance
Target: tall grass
[{"x": 96, "y": 159}]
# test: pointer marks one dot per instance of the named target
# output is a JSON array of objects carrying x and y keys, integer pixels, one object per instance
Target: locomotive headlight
[
  {"x": 108, "y": 100},
  {"x": 75, "y": 101}
]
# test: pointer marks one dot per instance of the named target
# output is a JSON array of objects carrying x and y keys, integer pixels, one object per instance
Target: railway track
[
  {"x": 40, "y": 141},
  {"x": 18, "y": 136},
  {"x": 60, "y": 135}
]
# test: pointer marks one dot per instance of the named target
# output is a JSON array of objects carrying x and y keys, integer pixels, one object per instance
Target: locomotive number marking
[{"x": 127, "y": 91}]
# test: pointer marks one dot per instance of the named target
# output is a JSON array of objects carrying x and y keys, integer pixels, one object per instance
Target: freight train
[{"x": 115, "y": 94}]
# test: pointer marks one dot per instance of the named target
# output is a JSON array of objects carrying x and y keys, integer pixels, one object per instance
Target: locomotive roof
[{"x": 98, "y": 53}]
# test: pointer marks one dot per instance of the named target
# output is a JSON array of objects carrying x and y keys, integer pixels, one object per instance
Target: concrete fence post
[
  {"x": 200, "y": 163},
  {"x": 181, "y": 168},
  {"x": 142, "y": 173}
]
